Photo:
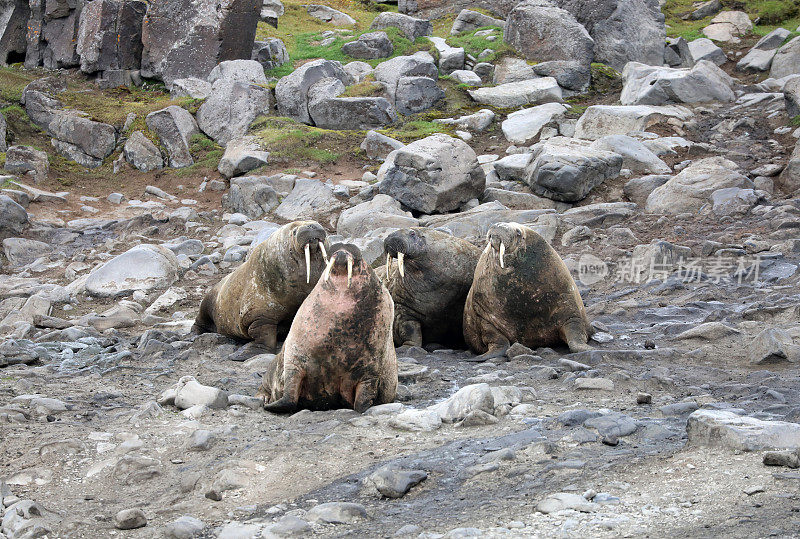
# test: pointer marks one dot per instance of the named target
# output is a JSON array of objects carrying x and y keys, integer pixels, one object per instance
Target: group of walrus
[{"x": 345, "y": 318}]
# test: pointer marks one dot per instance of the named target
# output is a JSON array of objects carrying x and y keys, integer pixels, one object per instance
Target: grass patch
[
  {"x": 795, "y": 121},
  {"x": 288, "y": 140},
  {"x": 113, "y": 106},
  {"x": 416, "y": 129},
  {"x": 206, "y": 154},
  {"x": 364, "y": 89},
  {"x": 475, "y": 45},
  {"x": 772, "y": 14},
  {"x": 13, "y": 81}
]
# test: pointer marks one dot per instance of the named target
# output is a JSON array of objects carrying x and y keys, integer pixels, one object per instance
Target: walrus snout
[
  {"x": 504, "y": 238},
  {"x": 345, "y": 257},
  {"x": 310, "y": 237}
]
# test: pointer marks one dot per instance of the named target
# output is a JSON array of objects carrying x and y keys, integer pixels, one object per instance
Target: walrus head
[
  {"x": 345, "y": 266},
  {"x": 504, "y": 240},
  {"x": 404, "y": 244},
  {"x": 308, "y": 240}
]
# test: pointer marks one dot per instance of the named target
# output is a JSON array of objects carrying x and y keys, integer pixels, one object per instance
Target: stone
[
  {"x": 478, "y": 121},
  {"x": 623, "y": 30},
  {"x": 270, "y": 53},
  {"x": 110, "y": 35},
  {"x": 705, "y": 49},
  {"x": 638, "y": 189},
  {"x": 541, "y": 32},
  {"x": 566, "y": 170},
  {"x": 22, "y": 159},
  {"x": 570, "y": 75},
  {"x": 337, "y": 513},
  {"x": 130, "y": 519},
  {"x": 601, "y": 120},
  {"x": 175, "y": 127},
  {"x": 13, "y": 43},
  {"x": 410, "y": 26},
  {"x": 724, "y": 429},
  {"x": 707, "y": 331},
  {"x": 271, "y": 10},
  {"x": 759, "y": 58},
  {"x": 450, "y": 58},
  {"x": 251, "y": 196},
  {"x": 292, "y": 90},
  {"x": 347, "y": 113},
  {"x": 463, "y": 76},
  {"x": 330, "y": 15},
  {"x": 188, "y": 38},
  {"x": 392, "y": 71},
  {"x": 234, "y": 530},
  {"x": 562, "y": 501},
  {"x": 691, "y": 189},
  {"x": 231, "y": 108},
  {"x": 144, "y": 267},
  {"x": 435, "y": 174},
  {"x": 467, "y": 399},
  {"x": 140, "y": 152},
  {"x": 512, "y": 69},
  {"x": 13, "y": 217},
  {"x": 201, "y": 440},
  {"x": 733, "y": 201},
  {"x": 771, "y": 346},
  {"x": 678, "y": 53},
  {"x": 469, "y": 21},
  {"x": 789, "y": 179},
  {"x": 22, "y": 251},
  {"x": 242, "y": 155},
  {"x": 416, "y": 94},
  {"x": 358, "y": 70},
  {"x": 706, "y": 9},
  {"x": 190, "y": 87},
  {"x": 310, "y": 199},
  {"x": 238, "y": 71},
  {"x": 53, "y": 35},
  {"x": 648, "y": 85},
  {"x": 519, "y": 94},
  {"x": 369, "y": 46},
  {"x": 524, "y": 125},
  {"x": 184, "y": 527},
  {"x": 789, "y": 459},
  {"x": 287, "y": 526},
  {"x": 381, "y": 212},
  {"x": 189, "y": 392},
  {"x": 786, "y": 61},
  {"x": 395, "y": 483},
  {"x": 378, "y": 146},
  {"x": 598, "y": 384},
  {"x": 728, "y": 26},
  {"x": 417, "y": 420},
  {"x": 636, "y": 157}
]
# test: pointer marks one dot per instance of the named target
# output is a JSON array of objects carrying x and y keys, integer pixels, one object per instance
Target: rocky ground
[{"x": 674, "y": 205}]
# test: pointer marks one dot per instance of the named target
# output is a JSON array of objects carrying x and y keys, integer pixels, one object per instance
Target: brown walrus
[
  {"x": 269, "y": 287},
  {"x": 429, "y": 285},
  {"x": 339, "y": 351},
  {"x": 522, "y": 292}
]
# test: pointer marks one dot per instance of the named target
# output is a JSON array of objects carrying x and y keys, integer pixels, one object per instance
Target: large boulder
[
  {"x": 144, "y": 267},
  {"x": 691, "y": 189},
  {"x": 329, "y": 15},
  {"x": 13, "y": 217},
  {"x": 22, "y": 159},
  {"x": 291, "y": 91},
  {"x": 524, "y": 125},
  {"x": 238, "y": 71},
  {"x": 601, "y": 120},
  {"x": 760, "y": 57},
  {"x": 175, "y": 127},
  {"x": 242, "y": 155},
  {"x": 350, "y": 113},
  {"x": 636, "y": 157},
  {"x": 728, "y": 26},
  {"x": 623, "y": 30},
  {"x": 252, "y": 196},
  {"x": 53, "y": 34},
  {"x": 231, "y": 108},
  {"x": 434, "y": 9},
  {"x": 432, "y": 175},
  {"x": 410, "y": 26},
  {"x": 410, "y": 82},
  {"x": 110, "y": 35},
  {"x": 310, "y": 199},
  {"x": 648, "y": 85},
  {"x": 787, "y": 60},
  {"x": 270, "y": 53},
  {"x": 187, "y": 38},
  {"x": 469, "y": 21},
  {"x": 519, "y": 94},
  {"x": 381, "y": 212},
  {"x": 369, "y": 46},
  {"x": 140, "y": 152},
  {"x": 727, "y": 430},
  {"x": 85, "y": 141},
  {"x": 13, "y": 42},
  {"x": 190, "y": 87},
  {"x": 791, "y": 94},
  {"x": 705, "y": 49},
  {"x": 543, "y": 32},
  {"x": 567, "y": 169}
]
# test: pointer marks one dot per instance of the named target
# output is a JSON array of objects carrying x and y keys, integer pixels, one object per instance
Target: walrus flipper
[
  {"x": 575, "y": 335},
  {"x": 496, "y": 350},
  {"x": 293, "y": 379},
  {"x": 265, "y": 334},
  {"x": 365, "y": 394}
]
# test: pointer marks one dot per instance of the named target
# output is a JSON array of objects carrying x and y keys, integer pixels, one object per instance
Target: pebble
[{"x": 130, "y": 519}]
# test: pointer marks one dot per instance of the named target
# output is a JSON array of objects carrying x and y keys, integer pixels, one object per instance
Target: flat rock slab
[
  {"x": 519, "y": 94},
  {"x": 719, "y": 428}
]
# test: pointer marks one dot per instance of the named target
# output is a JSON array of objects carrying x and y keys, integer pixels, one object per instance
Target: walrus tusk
[
  {"x": 502, "y": 254},
  {"x": 324, "y": 252},
  {"x": 388, "y": 264},
  {"x": 308, "y": 263},
  {"x": 400, "y": 265},
  {"x": 327, "y": 273},
  {"x": 349, "y": 271}
]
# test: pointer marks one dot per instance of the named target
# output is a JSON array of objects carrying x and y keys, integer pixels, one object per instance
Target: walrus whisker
[
  {"x": 327, "y": 273},
  {"x": 400, "y": 267},
  {"x": 324, "y": 252},
  {"x": 388, "y": 264},
  {"x": 308, "y": 263},
  {"x": 349, "y": 271},
  {"x": 502, "y": 254}
]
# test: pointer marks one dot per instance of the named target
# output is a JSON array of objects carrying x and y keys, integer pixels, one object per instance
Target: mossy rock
[{"x": 605, "y": 79}]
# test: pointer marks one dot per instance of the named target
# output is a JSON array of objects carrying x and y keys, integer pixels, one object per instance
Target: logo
[{"x": 591, "y": 269}]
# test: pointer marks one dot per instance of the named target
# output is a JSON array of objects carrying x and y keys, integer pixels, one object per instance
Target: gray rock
[
  {"x": 242, "y": 155},
  {"x": 728, "y": 26},
  {"x": 287, "y": 526},
  {"x": 337, "y": 513},
  {"x": 53, "y": 35},
  {"x": 691, "y": 189},
  {"x": 635, "y": 155},
  {"x": 201, "y": 440},
  {"x": 705, "y": 49},
  {"x": 519, "y": 94},
  {"x": 790, "y": 459},
  {"x": 450, "y": 58},
  {"x": 189, "y": 392},
  {"x": 13, "y": 43},
  {"x": 358, "y": 71},
  {"x": 130, "y": 519},
  {"x": 391, "y": 71},
  {"x": 238, "y": 71},
  {"x": 173, "y": 33},
  {"x": 251, "y": 196},
  {"x": 726, "y": 430},
  {"x": 144, "y": 267},
  {"x": 638, "y": 189},
  {"x": 469, "y": 21},
  {"x": 435, "y": 174},
  {"x": 330, "y": 15},
  {"x": 381, "y": 212},
  {"x": 733, "y": 201},
  {"x": 378, "y": 146},
  {"x": 352, "y": 113},
  {"x": 270, "y": 53},
  {"x": 13, "y": 217},
  {"x": 542, "y": 32},
  {"x": 184, "y": 527},
  {"x": 477, "y": 121},
  {"x": 94, "y": 139},
  {"x": 562, "y": 501},
  {"x": 601, "y": 120},
  {"x": 110, "y": 35},
  {"x": 677, "y": 53},
  {"x": 647, "y": 85},
  {"x": 140, "y": 152},
  {"x": 271, "y": 10},
  {"x": 292, "y": 90},
  {"x": 476, "y": 397},
  {"x": 310, "y": 199},
  {"x": 410, "y": 26},
  {"x": 773, "y": 40},
  {"x": 22, "y": 251},
  {"x": 473, "y": 224},
  {"x": 787, "y": 60},
  {"x": 706, "y": 9},
  {"x": 175, "y": 127},
  {"x": 369, "y": 46},
  {"x": 524, "y": 125},
  {"x": 463, "y": 76},
  {"x": 416, "y": 94},
  {"x": 395, "y": 483},
  {"x": 790, "y": 177},
  {"x": 773, "y": 345},
  {"x": 566, "y": 170},
  {"x": 513, "y": 69},
  {"x": 756, "y": 61},
  {"x": 22, "y": 159},
  {"x": 571, "y": 75},
  {"x": 190, "y": 87},
  {"x": 231, "y": 108}
]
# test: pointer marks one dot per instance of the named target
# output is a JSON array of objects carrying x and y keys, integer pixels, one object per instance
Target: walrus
[
  {"x": 339, "y": 351},
  {"x": 522, "y": 292},
  {"x": 268, "y": 288},
  {"x": 429, "y": 285}
]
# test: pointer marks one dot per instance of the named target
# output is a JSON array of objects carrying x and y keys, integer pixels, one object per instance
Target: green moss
[
  {"x": 12, "y": 81},
  {"x": 772, "y": 13},
  {"x": 288, "y": 140},
  {"x": 364, "y": 89},
  {"x": 475, "y": 45},
  {"x": 416, "y": 129},
  {"x": 795, "y": 121}
]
